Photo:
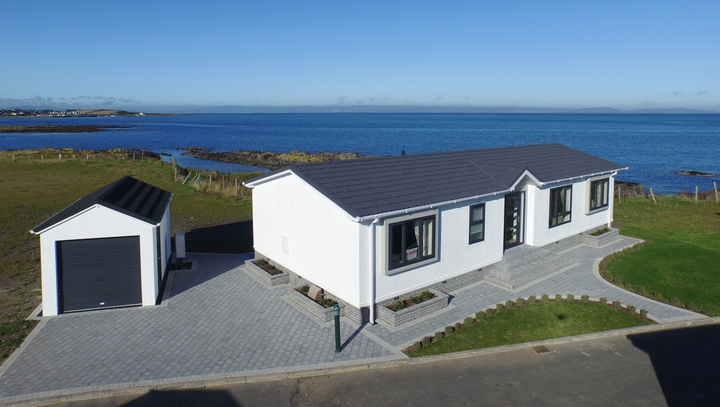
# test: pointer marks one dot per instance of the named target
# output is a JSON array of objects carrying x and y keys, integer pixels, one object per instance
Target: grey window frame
[
  {"x": 420, "y": 258},
  {"x": 605, "y": 194},
  {"x": 553, "y": 215},
  {"x": 473, "y": 223}
]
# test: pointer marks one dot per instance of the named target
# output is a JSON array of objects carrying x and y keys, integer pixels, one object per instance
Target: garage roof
[
  {"x": 382, "y": 185},
  {"x": 126, "y": 195}
]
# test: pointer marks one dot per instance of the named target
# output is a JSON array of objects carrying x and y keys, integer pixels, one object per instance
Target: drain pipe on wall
[{"x": 373, "y": 264}]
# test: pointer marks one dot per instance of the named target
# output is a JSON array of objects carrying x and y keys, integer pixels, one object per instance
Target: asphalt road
[{"x": 678, "y": 367}]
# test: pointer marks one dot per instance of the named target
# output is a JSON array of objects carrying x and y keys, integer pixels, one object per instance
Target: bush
[
  {"x": 631, "y": 309},
  {"x": 691, "y": 306},
  {"x": 400, "y": 304},
  {"x": 449, "y": 329},
  {"x": 458, "y": 326},
  {"x": 480, "y": 315},
  {"x": 489, "y": 312},
  {"x": 603, "y": 300},
  {"x": 509, "y": 304},
  {"x": 657, "y": 295},
  {"x": 643, "y": 312},
  {"x": 520, "y": 301},
  {"x": 304, "y": 289},
  {"x": 558, "y": 297},
  {"x": 570, "y": 297},
  {"x": 414, "y": 347},
  {"x": 531, "y": 299},
  {"x": 499, "y": 307},
  {"x": 674, "y": 301},
  {"x": 585, "y": 298},
  {"x": 617, "y": 280},
  {"x": 642, "y": 290},
  {"x": 416, "y": 299},
  {"x": 616, "y": 304},
  {"x": 426, "y": 341},
  {"x": 545, "y": 298},
  {"x": 426, "y": 295},
  {"x": 468, "y": 321},
  {"x": 629, "y": 286},
  {"x": 438, "y": 336}
]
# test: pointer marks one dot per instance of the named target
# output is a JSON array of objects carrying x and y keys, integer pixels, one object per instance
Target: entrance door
[{"x": 513, "y": 232}]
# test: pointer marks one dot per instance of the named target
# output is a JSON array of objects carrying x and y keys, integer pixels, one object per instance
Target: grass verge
[
  {"x": 681, "y": 257},
  {"x": 534, "y": 322}
]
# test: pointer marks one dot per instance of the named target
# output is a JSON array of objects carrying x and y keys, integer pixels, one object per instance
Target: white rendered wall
[
  {"x": 165, "y": 246},
  {"x": 299, "y": 228},
  {"x": 97, "y": 222},
  {"x": 580, "y": 219},
  {"x": 455, "y": 255}
]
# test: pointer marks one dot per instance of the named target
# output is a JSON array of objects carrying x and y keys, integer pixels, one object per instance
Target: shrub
[
  {"x": 629, "y": 286},
  {"x": 414, "y": 347},
  {"x": 616, "y": 304},
  {"x": 449, "y": 329},
  {"x": 643, "y": 312},
  {"x": 480, "y": 315},
  {"x": 585, "y": 298},
  {"x": 617, "y": 280},
  {"x": 570, "y": 297},
  {"x": 603, "y": 300},
  {"x": 400, "y": 304},
  {"x": 438, "y": 336},
  {"x": 416, "y": 299},
  {"x": 520, "y": 301},
  {"x": 509, "y": 304},
  {"x": 531, "y": 299},
  {"x": 426, "y": 295},
  {"x": 468, "y": 321},
  {"x": 558, "y": 297},
  {"x": 691, "y": 306},
  {"x": 642, "y": 290},
  {"x": 631, "y": 309},
  {"x": 426, "y": 341},
  {"x": 674, "y": 301},
  {"x": 489, "y": 312},
  {"x": 418, "y": 344},
  {"x": 657, "y": 295},
  {"x": 458, "y": 326},
  {"x": 304, "y": 289},
  {"x": 545, "y": 298},
  {"x": 499, "y": 307}
]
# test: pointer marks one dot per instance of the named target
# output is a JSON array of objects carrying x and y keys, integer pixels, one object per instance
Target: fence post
[
  {"x": 696, "y": 193},
  {"x": 716, "y": 193},
  {"x": 236, "y": 189},
  {"x": 652, "y": 195}
]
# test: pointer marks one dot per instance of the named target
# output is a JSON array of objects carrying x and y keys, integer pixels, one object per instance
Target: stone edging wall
[
  {"x": 266, "y": 278},
  {"x": 319, "y": 312},
  {"x": 417, "y": 311}
]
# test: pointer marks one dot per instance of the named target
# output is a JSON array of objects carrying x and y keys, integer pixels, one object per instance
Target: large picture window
[
  {"x": 560, "y": 205},
  {"x": 477, "y": 223},
  {"x": 599, "y": 194},
  {"x": 412, "y": 241}
]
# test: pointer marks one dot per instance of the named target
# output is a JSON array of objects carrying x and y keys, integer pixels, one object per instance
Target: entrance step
[{"x": 524, "y": 264}]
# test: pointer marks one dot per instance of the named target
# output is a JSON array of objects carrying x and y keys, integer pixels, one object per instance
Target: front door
[{"x": 513, "y": 232}]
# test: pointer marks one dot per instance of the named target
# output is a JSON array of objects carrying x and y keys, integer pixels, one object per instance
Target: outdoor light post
[{"x": 336, "y": 309}]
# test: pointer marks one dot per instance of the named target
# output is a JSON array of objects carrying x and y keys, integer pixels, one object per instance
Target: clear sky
[{"x": 574, "y": 54}]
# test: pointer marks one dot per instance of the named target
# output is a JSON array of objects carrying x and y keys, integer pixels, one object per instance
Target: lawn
[
  {"x": 535, "y": 322},
  {"x": 681, "y": 256},
  {"x": 34, "y": 189}
]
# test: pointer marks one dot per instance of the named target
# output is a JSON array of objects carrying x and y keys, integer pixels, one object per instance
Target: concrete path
[{"x": 218, "y": 323}]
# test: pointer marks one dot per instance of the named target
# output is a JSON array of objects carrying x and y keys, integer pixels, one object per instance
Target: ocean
[{"x": 654, "y": 146}]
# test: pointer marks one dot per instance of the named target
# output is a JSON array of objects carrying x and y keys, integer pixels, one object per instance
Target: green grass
[
  {"x": 32, "y": 190},
  {"x": 681, "y": 256},
  {"x": 533, "y": 323}
]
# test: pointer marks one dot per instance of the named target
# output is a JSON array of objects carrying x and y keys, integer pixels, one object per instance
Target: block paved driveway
[{"x": 220, "y": 323}]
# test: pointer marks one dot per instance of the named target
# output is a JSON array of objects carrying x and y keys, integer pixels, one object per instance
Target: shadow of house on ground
[
  {"x": 234, "y": 237},
  {"x": 179, "y": 398},
  {"x": 686, "y": 362}
]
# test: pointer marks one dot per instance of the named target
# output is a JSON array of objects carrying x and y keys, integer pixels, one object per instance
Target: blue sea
[{"x": 654, "y": 146}]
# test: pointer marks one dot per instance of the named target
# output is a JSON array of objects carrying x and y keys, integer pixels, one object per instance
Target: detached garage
[{"x": 108, "y": 249}]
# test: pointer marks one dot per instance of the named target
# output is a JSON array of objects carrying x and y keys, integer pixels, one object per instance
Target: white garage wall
[{"x": 97, "y": 222}]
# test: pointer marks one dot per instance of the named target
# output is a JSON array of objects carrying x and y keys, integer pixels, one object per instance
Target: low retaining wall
[
  {"x": 317, "y": 311},
  {"x": 269, "y": 280},
  {"x": 583, "y": 238},
  {"x": 412, "y": 313}
]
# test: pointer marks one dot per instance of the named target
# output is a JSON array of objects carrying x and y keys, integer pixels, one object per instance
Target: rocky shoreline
[
  {"x": 266, "y": 159},
  {"x": 57, "y": 128}
]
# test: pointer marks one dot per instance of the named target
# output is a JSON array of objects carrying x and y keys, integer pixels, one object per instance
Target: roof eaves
[{"x": 594, "y": 174}]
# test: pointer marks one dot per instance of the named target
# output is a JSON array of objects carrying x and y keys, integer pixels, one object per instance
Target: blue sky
[{"x": 140, "y": 54}]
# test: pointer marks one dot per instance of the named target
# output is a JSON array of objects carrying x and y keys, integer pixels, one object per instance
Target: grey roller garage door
[{"x": 99, "y": 273}]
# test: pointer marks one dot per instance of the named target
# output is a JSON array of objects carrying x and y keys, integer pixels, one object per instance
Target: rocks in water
[
  {"x": 268, "y": 159},
  {"x": 698, "y": 173},
  {"x": 56, "y": 128}
]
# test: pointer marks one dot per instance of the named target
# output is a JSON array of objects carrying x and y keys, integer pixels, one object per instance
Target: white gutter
[
  {"x": 376, "y": 216},
  {"x": 373, "y": 265},
  {"x": 613, "y": 172}
]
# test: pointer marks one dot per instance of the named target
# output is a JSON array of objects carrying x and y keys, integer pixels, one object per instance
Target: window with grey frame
[
  {"x": 560, "y": 205},
  {"x": 599, "y": 194},
  {"x": 411, "y": 241},
  {"x": 477, "y": 223}
]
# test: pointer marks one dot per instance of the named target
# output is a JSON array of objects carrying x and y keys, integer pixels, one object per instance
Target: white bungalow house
[
  {"x": 107, "y": 249},
  {"x": 371, "y": 230}
]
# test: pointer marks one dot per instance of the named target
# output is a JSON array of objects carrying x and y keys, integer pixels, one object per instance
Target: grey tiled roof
[
  {"x": 380, "y": 185},
  {"x": 126, "y": 195}
]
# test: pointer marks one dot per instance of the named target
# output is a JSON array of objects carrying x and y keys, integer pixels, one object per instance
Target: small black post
[{"x": 336, "y": 308}]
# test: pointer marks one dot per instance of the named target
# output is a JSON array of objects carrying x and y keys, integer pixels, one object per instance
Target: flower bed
[
  {"x": 311, "y": 307},
  {"x": 412, "y": 312},
  {"x": 266, "y": 277},
  {"x": 600, "y": 237}
]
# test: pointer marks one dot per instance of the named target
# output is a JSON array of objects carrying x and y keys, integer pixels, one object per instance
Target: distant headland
[{"x": 75, "y": 113}]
